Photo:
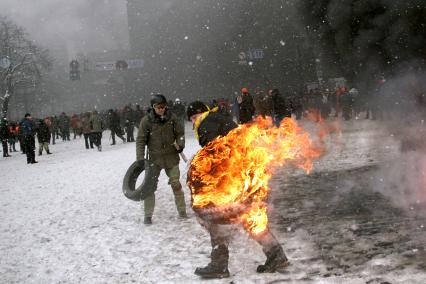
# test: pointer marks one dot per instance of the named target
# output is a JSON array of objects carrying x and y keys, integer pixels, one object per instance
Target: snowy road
[{"x": 65, "y": 220}]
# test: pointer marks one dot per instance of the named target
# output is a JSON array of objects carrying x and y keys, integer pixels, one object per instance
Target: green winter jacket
[
  {"x": 85, "y": 123},
  {"x": 95, "y": 123},
  {"x": 159, "y": 134}
]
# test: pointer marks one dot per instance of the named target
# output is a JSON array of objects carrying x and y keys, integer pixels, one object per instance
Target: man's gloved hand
[
  {"x": 141, "y": 163},
  {"x": 178, "y": 148}
]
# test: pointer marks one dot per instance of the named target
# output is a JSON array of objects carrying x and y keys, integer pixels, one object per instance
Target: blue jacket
[{"x": 27, "y": 127}]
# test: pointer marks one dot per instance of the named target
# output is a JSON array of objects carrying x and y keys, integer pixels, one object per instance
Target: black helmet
[
  {"x": 158, "y": 99},
  {"x": 196, "y": 107}
]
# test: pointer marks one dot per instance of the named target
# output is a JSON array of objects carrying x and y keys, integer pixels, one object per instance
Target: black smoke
[
  {"x": 367, "y": 39},
  {"x": 372, "y": 41}
]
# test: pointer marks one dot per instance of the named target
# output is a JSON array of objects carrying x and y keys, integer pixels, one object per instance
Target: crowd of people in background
[
  {"x": 50, "y": 129},
  {"x": 320, "y": 104}
]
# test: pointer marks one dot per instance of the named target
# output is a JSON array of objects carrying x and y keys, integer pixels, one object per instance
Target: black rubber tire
[{"x": 129, "y": 182}]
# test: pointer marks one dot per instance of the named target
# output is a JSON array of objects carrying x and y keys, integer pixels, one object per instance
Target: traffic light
[{"x": 74, "y": 71}]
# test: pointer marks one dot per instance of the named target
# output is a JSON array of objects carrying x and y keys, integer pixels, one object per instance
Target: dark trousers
[
  {"x": 118, "y": 133},
  {"x": 88, "y": 140},
  {"x": 21, "y": 144},
  {"x": 96, "y": 138},
  {"x": 65, "y": 134},
  {"x": 5, "y": 149},
  {"x": 12, "y": 147},
  {"x": 129, "y": 132},
  {"x": 29, "y": 146},
  {"x": 53, "y": 138}
]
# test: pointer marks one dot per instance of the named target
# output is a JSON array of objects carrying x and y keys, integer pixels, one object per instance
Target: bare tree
[{"x": 22, "y": 61}]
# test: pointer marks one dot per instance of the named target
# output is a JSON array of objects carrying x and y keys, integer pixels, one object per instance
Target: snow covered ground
[{"x": 65, "y": 220}]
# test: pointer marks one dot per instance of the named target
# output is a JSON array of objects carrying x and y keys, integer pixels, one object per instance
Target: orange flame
[{"x": 233, "y": 171}]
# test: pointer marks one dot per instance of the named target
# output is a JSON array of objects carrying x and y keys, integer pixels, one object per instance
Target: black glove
[
  {"x": 179, "y": 150},
  {"x": 141, "y": 163}
]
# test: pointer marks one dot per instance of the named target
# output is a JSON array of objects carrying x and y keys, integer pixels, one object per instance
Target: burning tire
[{"x": 129, "y": 182}]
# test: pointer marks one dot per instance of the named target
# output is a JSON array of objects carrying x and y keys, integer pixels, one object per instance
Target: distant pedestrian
[
  {"x": 4, "y": 136},
  {"x": 85, "y": 124},
  {"x": 54, "y": 128},
  {"x": 179, "y": 110},
  {"x": 245, "y": 106},
  {"x": 64, "y": 126},
  {"x": 43, "y": 136},
  {"x": 28, "y": 131},
  {"x": 96, "y": 128},
  {"x": 114, "y": 126},
  {"x": 281, "y": 107},
  {"x": 13, "y": 136}
]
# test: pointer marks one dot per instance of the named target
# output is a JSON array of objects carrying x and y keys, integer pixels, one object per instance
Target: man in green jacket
[
  {"x": 96, "y": 128},
  {"x": 163, "y": 135}
]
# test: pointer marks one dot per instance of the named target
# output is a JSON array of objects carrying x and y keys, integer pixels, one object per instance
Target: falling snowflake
[{"x": 282, "y": 42}]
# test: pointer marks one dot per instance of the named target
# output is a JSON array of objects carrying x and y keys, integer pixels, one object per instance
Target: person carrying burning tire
[
  {"x": 163, "y": 135},
  {"x": 208, "y": 125}
]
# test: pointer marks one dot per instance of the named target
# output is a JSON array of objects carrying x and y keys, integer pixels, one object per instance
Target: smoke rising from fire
[
  {"x": 374, "y": 40},
  {"x": 368, "y": 38}
]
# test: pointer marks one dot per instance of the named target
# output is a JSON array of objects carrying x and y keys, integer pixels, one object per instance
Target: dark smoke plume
[
  {"x": 373, "y": 40},
  {"x": 368, "y": 38}
]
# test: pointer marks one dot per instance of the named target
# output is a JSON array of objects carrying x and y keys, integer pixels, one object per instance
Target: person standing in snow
[
  {"x": 96, "y": 128},
  {"x": 245, "y": 106},
  {"x": 209, "y": 124},
  {"x": 114, "y": 126},
  {"x": 179, "y": 109},
  {"x": 75, "y": 125},
  {"x": 4, "y": 136},
  {"x": 85, "y": 126},
  {"x": 163, "y": 134},
  {"x": 13, "y": 136},
  {"x": 43, "y": 136},
  {"x": 281, "y": 106},
  {"x": 54, "y": 128},
  {"x": 129, "y": 125},
  {"x": 137, "y": 115},
  {"x": 64, "y": 126},
  {"x": 28, "y": 130}
]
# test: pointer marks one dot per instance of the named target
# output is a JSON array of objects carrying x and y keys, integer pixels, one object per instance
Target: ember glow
[{"x": 233, "y": 171}]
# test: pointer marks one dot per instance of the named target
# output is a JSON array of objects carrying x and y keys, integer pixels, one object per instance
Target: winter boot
[
  {"x": 218, "y": 267},
  {"x": 183, "y": 215},
  {"x": 276, "y": 261},
  {"x": 147, "y": 220}
]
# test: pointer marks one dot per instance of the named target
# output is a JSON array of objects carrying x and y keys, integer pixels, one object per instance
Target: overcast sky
[{"x": 82, "y": 25}]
